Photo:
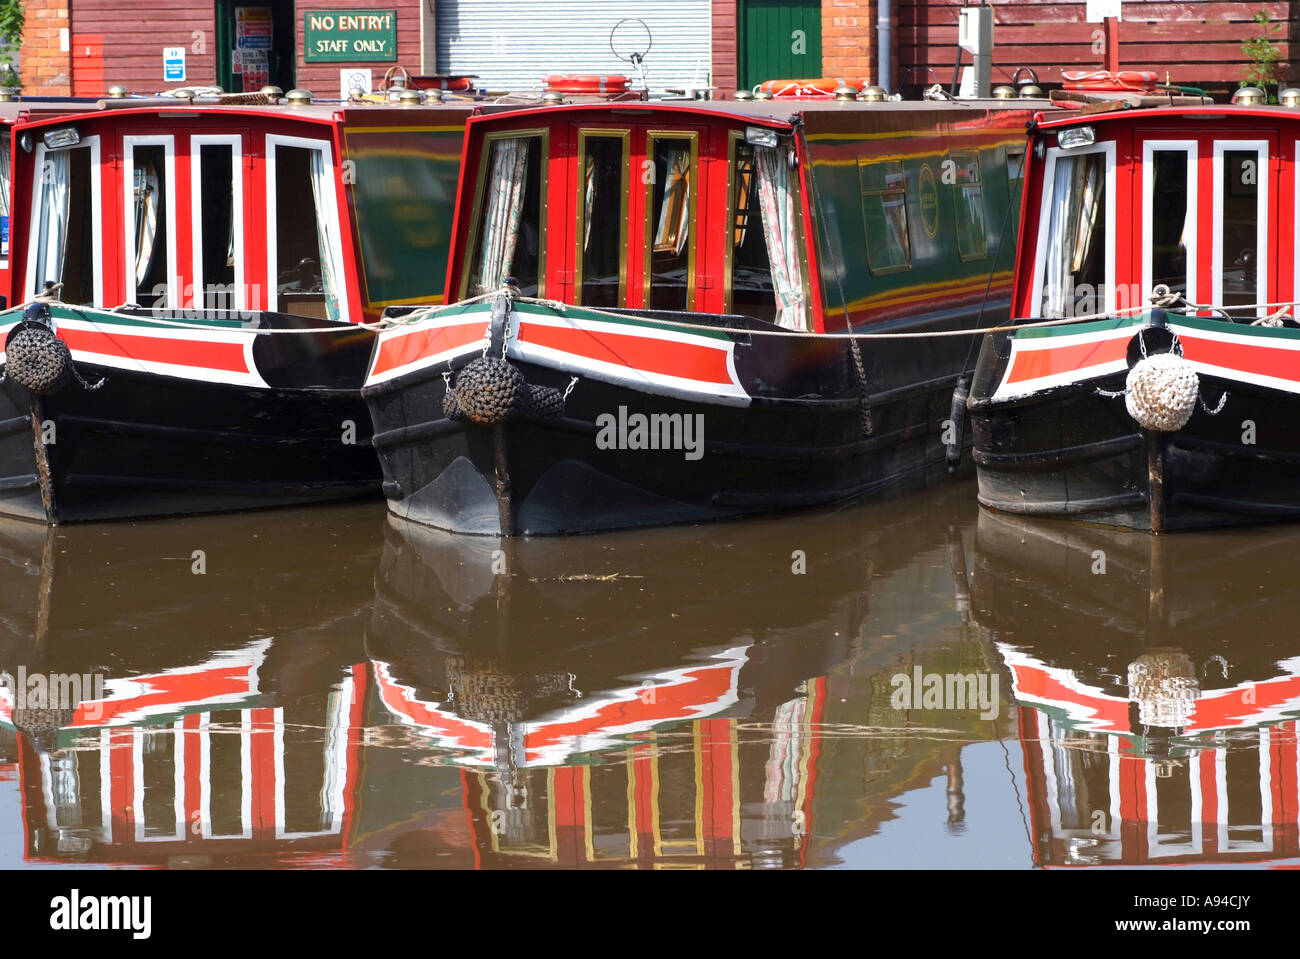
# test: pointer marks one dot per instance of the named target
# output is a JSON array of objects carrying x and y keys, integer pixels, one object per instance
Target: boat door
[
  {"x": 633, "y": 238},
  {"x": 1207, "y": 206}
]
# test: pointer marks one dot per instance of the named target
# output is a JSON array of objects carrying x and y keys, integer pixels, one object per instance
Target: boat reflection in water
[
  {"x": 1157, "y": 704},
  {"x": 350, "y": 690},
  {"x": 160, "y": 715}
]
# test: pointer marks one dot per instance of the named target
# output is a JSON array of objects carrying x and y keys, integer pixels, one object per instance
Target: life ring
[
  {"x": 587, "y": 83},
  {"x": 806, "y": 89},
  {"x": 1127, "y": 81},
  {"x": 449, "y": 84}
]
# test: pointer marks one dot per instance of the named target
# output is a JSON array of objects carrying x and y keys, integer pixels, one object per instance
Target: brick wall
[
  {"x": 849, "y": 38},
  {"x": 46, "y": 70}
]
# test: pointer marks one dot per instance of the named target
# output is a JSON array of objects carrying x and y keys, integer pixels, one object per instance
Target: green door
[{"x": 779, "y": 40}]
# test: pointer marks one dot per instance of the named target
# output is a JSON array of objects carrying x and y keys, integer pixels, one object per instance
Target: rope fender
[{"x": 490, "y": 390}]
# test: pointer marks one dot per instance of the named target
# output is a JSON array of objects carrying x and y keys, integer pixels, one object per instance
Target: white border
[
  {"x": 1262, "y": 171},
  {"x": 236, "y": 143},
  {"x": 1049, "y": 178},
  {"x": 1189, "y": 149},
  {"x": 168, "y": 143},
  {"x": 96, "y": 217},
  {"x": 329, "y": 192}
]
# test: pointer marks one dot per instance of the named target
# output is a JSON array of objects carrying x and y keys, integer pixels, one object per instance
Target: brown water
[{"x": 332, "y": 687}]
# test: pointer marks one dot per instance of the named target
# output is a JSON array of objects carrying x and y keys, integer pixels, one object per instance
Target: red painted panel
[{"x": 87, "y": 64}]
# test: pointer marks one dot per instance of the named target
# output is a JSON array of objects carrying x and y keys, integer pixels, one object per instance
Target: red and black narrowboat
[
  {"x": 649, "y": 300},
  {"x": 1161, "y": 242},
  {"x": 205, "y": 268}
]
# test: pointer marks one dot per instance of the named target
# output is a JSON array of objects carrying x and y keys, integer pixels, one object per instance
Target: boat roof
[
  {"x": 1119, "y": 114},
  {"x": 780, "y": 112}
]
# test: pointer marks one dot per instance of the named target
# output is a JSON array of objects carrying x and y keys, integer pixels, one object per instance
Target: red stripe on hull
[
  {"x": 410, "y": 347},
  {"x": 1260, "y": 360},
  {"x": 1035, "y": 364},
  {"x": 203, "y": 354},
  {"x": 650, "y": 355}
]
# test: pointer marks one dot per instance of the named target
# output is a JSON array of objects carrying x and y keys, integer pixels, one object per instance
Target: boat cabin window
[
  {"x": 670, "y": 199},
  {"x": 509, "y": 231},
  {"x": 1169, "y": 217},
  {"x": 66, "y": 216},
  {"x": 1241, "y": 237},
  {"x": 1073, "y": 258},
  {"x": 306, "y": 247},
  {"x": 884, "y": 215},
  {"x": 968, "y": 195},
  {"x": 217, "y": 239},
  {"x": 150, "y": 220},
  {"x": 751, "y": 291},
  {"x": 602, "y": 217}
]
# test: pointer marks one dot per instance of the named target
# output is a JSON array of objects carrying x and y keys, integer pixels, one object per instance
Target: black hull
[
  {"x": 148, "y": 444},
  {"x": 800, "y": 442},
  {"x": 1073, "y": 453}
]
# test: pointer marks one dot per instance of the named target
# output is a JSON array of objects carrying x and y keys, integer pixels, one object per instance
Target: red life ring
[
  {"x": 450, "y": 84},
  {"x": 806, "y": 89},
  {"x": 587, "y": 83},
  {"x": 1128, "y": 81}
]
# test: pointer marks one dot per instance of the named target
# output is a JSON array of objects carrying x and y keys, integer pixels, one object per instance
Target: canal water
[{"x": 907, "y": 683}]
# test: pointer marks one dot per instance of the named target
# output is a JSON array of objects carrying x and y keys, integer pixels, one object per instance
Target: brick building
[{"x": 82, "y": 46}]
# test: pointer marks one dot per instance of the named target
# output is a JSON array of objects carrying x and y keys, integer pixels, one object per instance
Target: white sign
[
  {"x": 355, "y": 77},
  {"x": 1099, "y": 10},
  {"x": 174, "y": 64}
]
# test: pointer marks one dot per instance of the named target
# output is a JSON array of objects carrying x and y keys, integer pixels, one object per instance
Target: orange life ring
[
  {"x": 587, "y": 83},
  {"x": 450, "y": 84},
  {"x": 1128, "y": 81},
  {"x": 805, "y": 89}
]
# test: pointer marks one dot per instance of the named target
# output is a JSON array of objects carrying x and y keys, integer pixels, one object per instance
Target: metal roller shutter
[{"x": 512, "y": 45}]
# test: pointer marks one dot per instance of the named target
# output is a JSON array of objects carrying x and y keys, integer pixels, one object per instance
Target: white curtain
[
  {"x": 781, "y": 230},
  {"x": 1075, "y": 207},
  {"x": 4, "y": 189},
  {"x": 147, "y": 197},
  {"x": 505, "y": 209},
  {"x": 53, "y": 236},
  {"x": 327, "y": 232}
]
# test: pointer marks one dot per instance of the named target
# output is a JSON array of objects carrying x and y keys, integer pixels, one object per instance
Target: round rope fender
[
  {"x": 587, "y": 83},
  {"x": 819, "y": 87},
  {"x": 1161, "y": 392},
  {"x": 490, "y": 390},
  {"x": 37, "y": 359}
]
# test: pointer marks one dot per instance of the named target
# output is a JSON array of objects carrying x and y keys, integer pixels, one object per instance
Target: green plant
[
  {"x": 1264, "y": 56},
  {"x": 11, "y": 35}
]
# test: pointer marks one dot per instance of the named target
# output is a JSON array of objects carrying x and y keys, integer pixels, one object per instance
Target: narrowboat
[
  {"x": 1158, "y": 374},
  {"x": 658, "y": 305},
  {"x": 208, "y": 271}
]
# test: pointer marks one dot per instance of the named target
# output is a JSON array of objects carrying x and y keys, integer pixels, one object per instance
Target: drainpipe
[{"x": 884, "y": 43}]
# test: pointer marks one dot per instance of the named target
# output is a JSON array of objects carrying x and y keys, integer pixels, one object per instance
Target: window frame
[
  {"x": 91, "y": 143},
  {"x": 1107, "y": 148},
  {"x": 329, "y": 191},
  {"x": 959, "y": 187},
  {"x": 624, "y": 135},
  {"x": 1262, "y": 251},
  {"x": 1191, "y": 149},
  {"x": 236, "y": 143},
  {"x": 693, "y": 205},
  {"x": 168, "y": 142},
  {"x": 864, "y": 162}
]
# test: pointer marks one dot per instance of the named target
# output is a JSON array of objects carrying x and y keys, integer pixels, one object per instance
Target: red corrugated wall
[
  {"x": 1196, "y": 41},
  {"x": 113, "y": 43},
  {"x": 323, "y": 78}
]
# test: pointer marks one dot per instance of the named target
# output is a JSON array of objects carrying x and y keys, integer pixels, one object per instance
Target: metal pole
[{"x": 884, "y": 44}]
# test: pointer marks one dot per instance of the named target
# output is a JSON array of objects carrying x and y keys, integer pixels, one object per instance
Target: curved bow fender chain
[{"x": 864, "y": 398}]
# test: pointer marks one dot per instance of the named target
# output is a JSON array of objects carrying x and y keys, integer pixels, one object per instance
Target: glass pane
[
  {"x": 972, "y": 240},
  {"x": 1169, "y": 219},
  {"x": 1074, "y": 274},
  {"x": 300, "y": 284},
  {"x": 509, "y": 230},
  {"x": 752, "y": 293},
  {"x": 150, "y": 191},
  {"x": 216, "y": 170},
  {"x": 600, "y": 247},
  {"x": 884, "y": 215},
  {"x": 670, "y": 215},
  {"x": 1241, "y": 172}
]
